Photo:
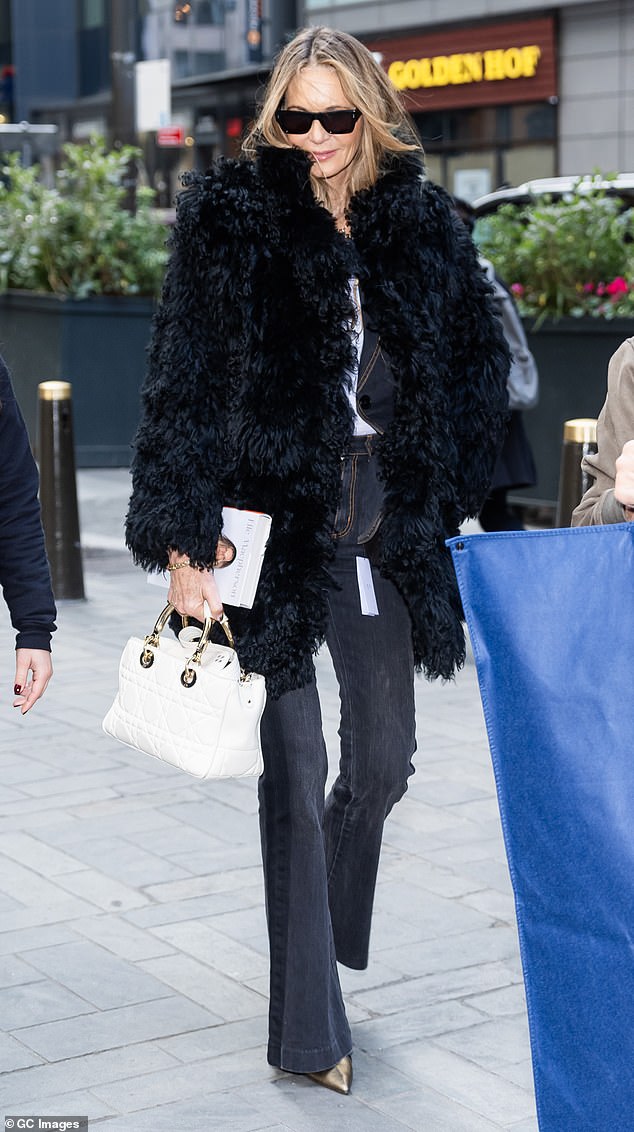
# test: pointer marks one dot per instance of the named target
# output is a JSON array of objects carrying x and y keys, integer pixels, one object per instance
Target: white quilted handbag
[{"x": 198, "y": 712}]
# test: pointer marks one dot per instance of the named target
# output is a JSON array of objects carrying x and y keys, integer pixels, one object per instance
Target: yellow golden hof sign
[{"x": 470, "y": 67}]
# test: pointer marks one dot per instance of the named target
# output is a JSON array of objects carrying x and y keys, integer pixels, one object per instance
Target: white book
[{"x": 238, "y": 582}]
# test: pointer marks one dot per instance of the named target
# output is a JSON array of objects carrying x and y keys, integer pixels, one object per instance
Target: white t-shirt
[{"x": 361, "y": 427}]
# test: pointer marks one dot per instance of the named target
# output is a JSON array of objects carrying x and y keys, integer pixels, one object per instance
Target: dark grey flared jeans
[{"x": 321, "y": 854}]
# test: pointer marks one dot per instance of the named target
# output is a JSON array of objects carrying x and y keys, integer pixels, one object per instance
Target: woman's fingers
[
  {"x": 37, "y": 663},
  {"x": 189, "y": 593}
]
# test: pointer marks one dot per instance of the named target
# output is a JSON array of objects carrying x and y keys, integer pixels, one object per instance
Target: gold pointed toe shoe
[{"x": 339, "y": 1078}]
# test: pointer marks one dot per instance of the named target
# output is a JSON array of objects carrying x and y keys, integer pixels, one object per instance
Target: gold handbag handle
[{"x": 152, "y": 641}]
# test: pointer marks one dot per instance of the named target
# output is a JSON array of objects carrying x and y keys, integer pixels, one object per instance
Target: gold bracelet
[{"x": 179, "y": 565}]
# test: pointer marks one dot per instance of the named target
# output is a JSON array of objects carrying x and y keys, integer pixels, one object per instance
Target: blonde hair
[{"x": 387, "y": 127}]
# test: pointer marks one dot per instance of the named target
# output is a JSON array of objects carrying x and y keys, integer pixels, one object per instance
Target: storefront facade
[{"x": 484, "y": 100}]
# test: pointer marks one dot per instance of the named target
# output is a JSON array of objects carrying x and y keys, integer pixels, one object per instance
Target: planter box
[
  {"x": 98, "y": 345},
  {"x": 572, "y": 356}
]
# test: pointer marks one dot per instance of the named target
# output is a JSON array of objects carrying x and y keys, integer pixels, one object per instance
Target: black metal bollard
[
  {"x": 58, "y": 488},
  {"x": 580, "y": 439}
]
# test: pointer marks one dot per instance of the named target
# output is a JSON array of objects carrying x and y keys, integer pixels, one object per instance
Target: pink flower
[
  {"x": 600, "y": 288},
  {"x": 517, "y": 289},
  {"x": 618, "y": 286},
  {"x": 588, "y": 288}
]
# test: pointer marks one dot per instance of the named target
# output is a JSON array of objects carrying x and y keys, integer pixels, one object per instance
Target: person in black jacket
[
  {"x": 324, "y": 352},
  {"x": 24, "y": 572}
]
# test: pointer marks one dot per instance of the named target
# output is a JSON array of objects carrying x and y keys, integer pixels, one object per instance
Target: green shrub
[
  {"x": 75, "y": 238},
  {"x": 572, "y": 256}
]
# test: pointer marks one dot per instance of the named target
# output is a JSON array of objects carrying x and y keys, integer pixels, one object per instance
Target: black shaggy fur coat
[{"x": 244, "y": 403}]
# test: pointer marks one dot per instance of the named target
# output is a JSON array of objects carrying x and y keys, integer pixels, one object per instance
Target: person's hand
[
  {"x": 37, "y": 662},
  {"x": 191, "y": 588},
  {"x": 624, "y": 480}
]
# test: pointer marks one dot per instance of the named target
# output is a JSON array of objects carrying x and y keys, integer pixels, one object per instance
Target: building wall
[
  {"x": 596, "y": 114},
  {"x": 370, "y": 16},
  {"x": 44, "y": 53}
]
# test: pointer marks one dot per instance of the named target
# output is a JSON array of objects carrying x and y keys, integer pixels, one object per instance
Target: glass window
[
  {"x": 210, "y": 12},
  {"x": 93, "y": 13}
]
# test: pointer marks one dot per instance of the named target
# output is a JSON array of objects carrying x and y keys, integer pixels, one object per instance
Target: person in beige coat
[{"x": 610, "y": 499}]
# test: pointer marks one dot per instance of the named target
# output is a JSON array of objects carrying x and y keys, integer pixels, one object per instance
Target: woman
[
  {"x": 324, "y": 352},
  {"x": 610, "y": 497},
  {"x": 24, "y": 572}
]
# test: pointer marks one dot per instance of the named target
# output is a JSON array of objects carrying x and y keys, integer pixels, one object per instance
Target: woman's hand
[
  {"x": 624, "y": 479},
  {"x": 38, "y": 663},
  {"x": 191, "y": 588}
]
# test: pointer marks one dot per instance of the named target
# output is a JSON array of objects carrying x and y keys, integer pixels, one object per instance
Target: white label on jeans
[{"x": 366, "y": 588}]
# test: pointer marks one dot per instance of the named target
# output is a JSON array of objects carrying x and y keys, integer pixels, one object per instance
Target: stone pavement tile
[
  {"x": 197, "y": 907},
  {"x": 389, "y": 930},
  {"x": 438, "y": 987},
  {"x": 486, "y": 1093},
  {"x": 7, "y": 904},
  {"x": 35, "y": 853},
  {"x": 16, "y": 942},
  {"x": 126, "y": 863},
  {"x": 37, "y": 1003},
  {"x": 200, "y": 864},
  {"x": 414, "y": 870},
  {"x": 174, "y": 838},
  {"x": 507, "y": 1000},
  {"x": 529, "y": 1125},
  {"x": 520, "y": 1074},
  {"x": 227, "y": 998},
  {"x": 420, "y": 817},
  {"x": 387, "y": 1032},
  {"x": 433, "y": 915},
  {"x": 118, "y": 817},
  {"x": 217, "y": 1112},
  {"x": 69, "y": 1104},
  {"x": 68, "y": 784},
  {"x": 102, "y": 891},
  {"x": 183, "y": 1081},
  {"x": 497, "y": 905},
  {"x": 376, "y": 974},
  {"x": 230, "y": 1038},
  {"x": 16, "y": 770},
  {"x": 204, "y": 942},
  {"x": 213, "y": 816},
  {"x": 14, "y": 972},
  {"x": 102, "y": 979},
  {"x": 444, "y": 792},
  {"x": 233, "y": 879},
  {"x": 495, "y": 1043},
  {"x": 30, "y": 1085},
  {"x": 490, "y": 874},
  {"x": 428, "y": 1111},
  {"x": 467, "y": 949},
  {"x": 13, "y": 1055},
  {"x": 453, "y": 856},
  {"x": 121, "y": 938},
  {"x": 246, "y": 925},
  {"x": 94, "y": 1032},
  {"x": 43, "y": 805}
]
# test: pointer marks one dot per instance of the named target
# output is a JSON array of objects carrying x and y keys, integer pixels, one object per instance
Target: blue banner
[{"x": 551, "y": 619}]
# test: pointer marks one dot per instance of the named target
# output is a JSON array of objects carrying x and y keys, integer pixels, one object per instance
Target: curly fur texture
[{"x": 244, "y": 402}]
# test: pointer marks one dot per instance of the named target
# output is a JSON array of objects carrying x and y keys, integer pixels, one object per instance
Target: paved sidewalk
[{"x": 133, "y": 956}]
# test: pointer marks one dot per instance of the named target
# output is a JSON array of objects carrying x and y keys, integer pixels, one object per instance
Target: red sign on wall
[{"x": 170, "y": 136}]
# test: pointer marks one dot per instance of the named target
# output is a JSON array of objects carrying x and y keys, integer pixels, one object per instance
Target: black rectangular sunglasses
[{"x": 333, "y": 121}]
